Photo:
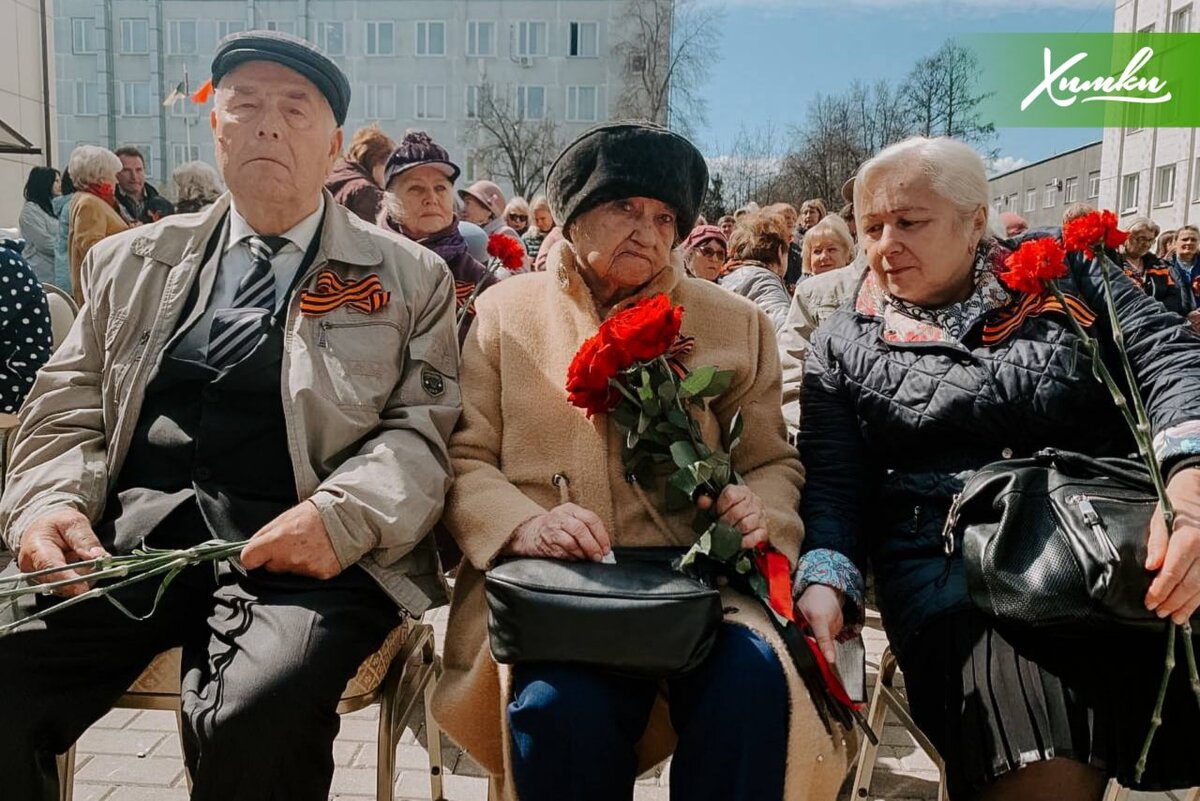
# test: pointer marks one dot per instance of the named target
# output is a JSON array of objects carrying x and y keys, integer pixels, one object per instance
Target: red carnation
[
  {"x": 509, "y": 251},
  {"x": 1033, "y": 264},
  {"x": 595, "y": 364},
  {"x": 1093, "y": 230},
  {"x": 644, "y": 331}
]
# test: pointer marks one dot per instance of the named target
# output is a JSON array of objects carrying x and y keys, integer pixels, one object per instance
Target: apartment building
[
  {"x": 411, "y": 63},
  {"x": 1042, "y": 191},
  {"x": 27, "y": 117}
]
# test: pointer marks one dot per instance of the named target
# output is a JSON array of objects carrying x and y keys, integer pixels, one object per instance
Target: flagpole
[{"x": 187, "y": 123}]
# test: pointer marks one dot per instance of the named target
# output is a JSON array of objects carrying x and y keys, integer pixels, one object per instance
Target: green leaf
[
  {"x": 684, "y": 481},
  {"x": 703, "y": 471},
  {"x": 683, "y": 453},
  {"x": 759, "y": 584},
  {"x": 643, "y": 423},
  {"x": 677, "y": 418},
  {"x": 697, "y": 381},
  {"x": 625, "y": 415},
  {"x": 717, "y": 385},
  {"x": 652, "y": 407},
  {"x": 631, "y": 439},
  {"x": 667, "y": 390},
  {"x": 726, "y": 541},
  {"x": 736, "y": 424}
]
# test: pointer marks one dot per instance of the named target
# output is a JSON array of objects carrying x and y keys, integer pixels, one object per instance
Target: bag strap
[{"x": 1127, "y": 473}]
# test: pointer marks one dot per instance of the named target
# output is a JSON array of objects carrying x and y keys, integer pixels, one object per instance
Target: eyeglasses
[
  {"x": 521, "y": 217},
  {"x": 1144, "y": 239},
  {"x": 709, "y": 253}
]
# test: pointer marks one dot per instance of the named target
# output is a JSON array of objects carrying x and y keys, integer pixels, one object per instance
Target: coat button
[
  {"x": 203, "y": 474},
  {"x": 1007, "y": 453}
]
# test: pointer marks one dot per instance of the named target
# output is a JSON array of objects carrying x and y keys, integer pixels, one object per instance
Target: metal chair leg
[
  {"x": 433, "y": 742},
  {"x": 66, "y": 774},
  {"x": 385, "y": 743},
  {"x": 187, "y": 774},
  {"x": 876, "y": 718}
]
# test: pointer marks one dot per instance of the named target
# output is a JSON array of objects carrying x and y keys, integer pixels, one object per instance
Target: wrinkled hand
[
  {"x": 1175, "y": 591},
  {"x": 741, "y": 508},
  {"x": 58, "y": 539},
  {"x": 1193, "y": 318},
  {"x": 295, "y": 542},
  {"x": 821, "y": 606},
  {"x": 567, "y": 532}
]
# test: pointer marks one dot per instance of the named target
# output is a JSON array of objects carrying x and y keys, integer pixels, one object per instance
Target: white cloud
[{"x": 1006, "y": 164}]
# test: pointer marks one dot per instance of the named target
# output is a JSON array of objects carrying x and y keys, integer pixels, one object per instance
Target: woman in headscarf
[{"x": 536, "y": 477}]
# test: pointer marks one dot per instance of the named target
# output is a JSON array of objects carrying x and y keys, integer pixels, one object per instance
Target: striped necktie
[{"x": 235, "y": 331}]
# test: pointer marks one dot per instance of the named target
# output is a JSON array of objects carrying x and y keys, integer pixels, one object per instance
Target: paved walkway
[{"x": 134, "y": 755}]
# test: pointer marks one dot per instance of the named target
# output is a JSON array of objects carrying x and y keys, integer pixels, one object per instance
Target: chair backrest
[{"x": 62, "y": 312}]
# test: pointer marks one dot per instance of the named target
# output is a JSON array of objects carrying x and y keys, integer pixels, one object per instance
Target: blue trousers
[{"x": 574, "y": 730}]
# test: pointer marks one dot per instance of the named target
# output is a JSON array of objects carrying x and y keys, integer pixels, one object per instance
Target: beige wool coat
[{"x": 518, "y": 431}]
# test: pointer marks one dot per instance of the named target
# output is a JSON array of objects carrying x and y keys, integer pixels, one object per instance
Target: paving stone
[
  {"x": 119, "y": 770},
  {"x": 116, "y": 719},
  {"x": 354, "y": 781},
  {"x": 147, "y": 794},
  {"x": 154, "y": 720},
  {"x": 345, "y": 751},
  {"x": 91, "y": 792},
  {"x": 119, "y": 742}
]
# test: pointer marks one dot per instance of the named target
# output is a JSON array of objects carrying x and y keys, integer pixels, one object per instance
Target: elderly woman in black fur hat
[{"x": 537, "y": 477}]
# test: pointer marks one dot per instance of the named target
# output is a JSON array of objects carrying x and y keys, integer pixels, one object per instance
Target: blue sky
[{"x": 775, "y": 55}]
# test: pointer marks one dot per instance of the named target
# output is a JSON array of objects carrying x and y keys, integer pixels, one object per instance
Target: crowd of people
[{"x": 345, "y": 352}]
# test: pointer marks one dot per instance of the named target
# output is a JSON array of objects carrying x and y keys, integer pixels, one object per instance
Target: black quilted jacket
[{"x": 889, "y": 432}]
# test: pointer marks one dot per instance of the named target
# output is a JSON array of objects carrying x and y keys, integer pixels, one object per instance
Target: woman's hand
[
  {"x": 1175, "y": 591},
  {"x": 741, "y": 508},
  {"x": 567, "y": 532},
  {"x": 821, "y": 606}
]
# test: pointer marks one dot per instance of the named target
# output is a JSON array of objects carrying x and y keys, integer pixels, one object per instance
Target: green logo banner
[{"x": 1089, "y": 80}]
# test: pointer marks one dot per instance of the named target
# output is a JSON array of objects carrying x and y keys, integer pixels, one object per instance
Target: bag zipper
[
  {"x": 1091, "y": 519},
  {"x": 325, "y": 326}
]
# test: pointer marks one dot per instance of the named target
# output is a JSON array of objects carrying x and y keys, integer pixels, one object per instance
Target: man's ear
[{"x": 212, "y": 119}]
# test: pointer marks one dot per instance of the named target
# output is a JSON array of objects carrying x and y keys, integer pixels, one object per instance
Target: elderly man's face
[
  {"x": 917, "y": 244},
  {"x": 275, "y": 135},
  {"x": 132, "y": 177},
  {"x": 426, "y": 199},
  {"x": 624, "y": 243}
]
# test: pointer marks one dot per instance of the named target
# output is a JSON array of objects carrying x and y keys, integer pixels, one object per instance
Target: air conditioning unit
[
  {"x": 1058, "y": 183},
  {"x": 525, "y": 61}
]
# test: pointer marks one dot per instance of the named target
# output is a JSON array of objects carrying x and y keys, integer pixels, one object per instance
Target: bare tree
[
  {"x": 749, "y": 164},
  {"x": 667, "y": 52},
  {"x": 509, "y": 143},
  {"x": 942, "y": 97}
]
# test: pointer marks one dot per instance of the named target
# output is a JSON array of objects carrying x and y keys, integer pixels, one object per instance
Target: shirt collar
[{"x": 300, "y": 235}]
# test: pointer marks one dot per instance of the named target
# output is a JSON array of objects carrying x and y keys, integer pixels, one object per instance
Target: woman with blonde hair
[
  {"x": 94, "y": 214},
  {"x": 827, "y": 246},
  {"x": 758, "y": 253},
  {"x": 516, "y": 214},
  {"x": 540, "y": 226},
  {"x": 197, "y": 185}
]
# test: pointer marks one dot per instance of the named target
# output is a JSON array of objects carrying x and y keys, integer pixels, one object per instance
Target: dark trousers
[
  {"x": 265, "y": 660},
  {"x": 574, "y": 730}
]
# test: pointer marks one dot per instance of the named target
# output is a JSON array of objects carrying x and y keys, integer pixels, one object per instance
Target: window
[
  {"x": 331, "y": 37},
  {"x": 1071, "y": 190},
  {"x": 1129, "y": 192},
  {"x": 474, "y": 169},
  {"x": 380, "y": 101},
  {"x": 283, "y": 26},
  {"x": 431, "y": 39},
  {"x": 182, "y": 154},
  {"x": 1030, "y": 199},
  {"x": 1181, "y": 20},
  {"x": 1164, "y": 185},
  {"x": 83, "y": 35},
  {"x": 1093, "y": 184},
  {"x": 477, "y": 97},
  {"x": 135, "y": 35},
  {"x": 531, "y": 102},
  {"x": 181, "y": 37},
  {"x": 583, "y": 39},
  {"x": 228, "y": 26},
  {"x": 1051, "y": 196},
  {"x": 87, "y": 98},
  {"x": 135, "y": 99},
  {"x": 381, "y": 39},
  {"x": 581, "y": 103},
  {"x": 431, "y": 102},
  {"x": 481, "y": 38},
  {"x": 531, "y": 39}
]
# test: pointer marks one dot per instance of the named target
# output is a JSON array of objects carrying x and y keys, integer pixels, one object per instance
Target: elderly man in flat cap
[{"x": 270, "y": 369}]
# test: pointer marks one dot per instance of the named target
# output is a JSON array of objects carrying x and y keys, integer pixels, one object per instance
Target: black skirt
[{"x": 993, "y": 699}]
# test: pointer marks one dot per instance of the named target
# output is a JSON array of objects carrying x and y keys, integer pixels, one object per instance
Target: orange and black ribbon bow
[{"x": 365, "y": 295}]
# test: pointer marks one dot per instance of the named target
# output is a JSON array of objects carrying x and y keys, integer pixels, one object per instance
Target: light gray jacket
[
  {"x": 754, "y": 281},
  {"x": 369, "y": 400}
]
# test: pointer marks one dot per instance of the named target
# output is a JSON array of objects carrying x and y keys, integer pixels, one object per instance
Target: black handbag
[
  {"x": 639, "y": 616},
  {"x": 1057, "y": 540}
]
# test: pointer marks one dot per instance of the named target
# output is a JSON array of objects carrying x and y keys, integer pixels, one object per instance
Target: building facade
[
  {"x": 1153, "y": 172},
  {"x": 27, "y": 113},
  {"x": 1042, "y": 191},
  {"x": 411, "y": 64}
]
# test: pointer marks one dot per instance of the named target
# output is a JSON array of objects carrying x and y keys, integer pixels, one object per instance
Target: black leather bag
[
  {"x": 1057, "y": 540},
  {"x": 639, "y": 616}
]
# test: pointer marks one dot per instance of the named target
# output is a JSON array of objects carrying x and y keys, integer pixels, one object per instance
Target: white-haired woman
[
  {"x": 94, "y": 213},
  {"x": 916, "y": 384},
  {"x": 827, "y": 246},
  {"x": 197, "y": 185},
  {"x": 516, "y": 214}
]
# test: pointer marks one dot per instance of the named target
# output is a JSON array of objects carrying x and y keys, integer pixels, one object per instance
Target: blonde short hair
[
  {"x": 829, "y": 224},
  {"x": 91, "y": 165},
  {"x": 518, "y": 205},
  {"x": 955, "y": 172},
  {"x": 196, "y": 181},
  {"x": 539, "y": 202}
]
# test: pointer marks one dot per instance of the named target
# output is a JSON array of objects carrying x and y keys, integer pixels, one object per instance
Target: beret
[
  {"x": 290, "y": 51},
  {"x": 628, "y": 159}
]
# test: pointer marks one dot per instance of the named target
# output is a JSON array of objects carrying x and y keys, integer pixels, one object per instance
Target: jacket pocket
[{"x": 360, "y": 360}]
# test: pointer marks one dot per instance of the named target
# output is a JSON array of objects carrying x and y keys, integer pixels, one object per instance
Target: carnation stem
[
  {"x": 1156, "y": 718},
  {"x": 1189, "y": 651}
]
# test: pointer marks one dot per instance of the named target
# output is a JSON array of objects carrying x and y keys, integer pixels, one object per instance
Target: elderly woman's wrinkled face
[
  {"x": 424, "y": 198},
  {"x": 622, "y": 244},
  {"x": 707, "y": 259},
  {"x": 543, "y": 218},
  {"x": 917, "y": 243},
  {"x": 1139, "y": 242},
  {"x": 828, "y": 252}
]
